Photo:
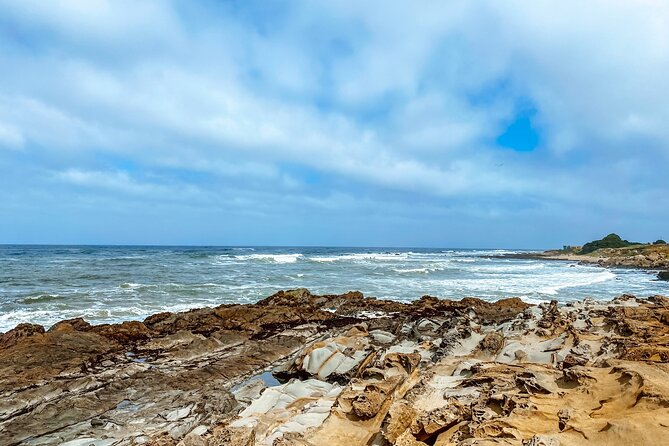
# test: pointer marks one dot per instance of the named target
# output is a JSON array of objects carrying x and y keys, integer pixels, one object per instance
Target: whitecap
[
  {"x": 371, "y": 256},
  {"x": 412, "y": 270},
  {"x": 130, "y": 285},
  {"x": 577, "y": 280},
  {"x": 276, "y": 258},
  {"x": 325, "y": 259}
]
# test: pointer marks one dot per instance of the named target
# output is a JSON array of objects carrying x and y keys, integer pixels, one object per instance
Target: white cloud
[
  {"x": 388, "y": 97},
  {"x": 11, "y": 137},
  {"x": 122, "y": 183}
]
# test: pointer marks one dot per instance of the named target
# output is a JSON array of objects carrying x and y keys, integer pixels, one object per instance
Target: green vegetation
[
  {"x": 622, "y": 247},
  {"x": 610, "y": 241}
]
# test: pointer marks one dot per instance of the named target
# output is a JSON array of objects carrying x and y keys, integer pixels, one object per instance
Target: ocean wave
[
  {"x": 122, "y": 258},
  {"x": 506, "y": 268},
  {"x": 130, "y": 286},
  {"x": 276, "y": 258},
  {"x": 198, "y": 255},
  {"x": 385, "y": 256},
  {"x": 489, "y": 252},
  {"x": 412, "y": 270},
  {"x": 41, "y": 298},
  {"x": 325, "y": 258},
  {"x": 572, "y": 280},
  {"x": 41, "y": 292},
  {"x": 530, "y": 267}
]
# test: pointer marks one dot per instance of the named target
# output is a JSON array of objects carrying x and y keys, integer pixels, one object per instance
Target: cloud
[
  {"x": 390, "y": 102},
  {"x": 10, "y": 137}
]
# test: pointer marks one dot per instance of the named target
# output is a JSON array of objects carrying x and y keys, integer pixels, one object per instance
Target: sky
[{"x": 520, "y": 124}]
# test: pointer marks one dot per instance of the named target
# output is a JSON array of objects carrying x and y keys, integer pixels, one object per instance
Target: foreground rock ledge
[{"x": 300, "y": 369}]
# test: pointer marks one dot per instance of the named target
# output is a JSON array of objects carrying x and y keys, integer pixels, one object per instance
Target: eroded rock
[{"x": 358, "y": 371}]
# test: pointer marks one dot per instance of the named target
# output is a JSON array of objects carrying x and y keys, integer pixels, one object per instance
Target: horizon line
[{"x": 131, "y": 245}]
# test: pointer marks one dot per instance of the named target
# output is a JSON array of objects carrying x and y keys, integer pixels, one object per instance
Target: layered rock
[{"x": 351, "y": 371}]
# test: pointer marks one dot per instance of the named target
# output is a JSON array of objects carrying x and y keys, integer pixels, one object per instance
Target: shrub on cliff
[
  {"x": 659, "y": 242},
  {"x": 610, "y": 241}
]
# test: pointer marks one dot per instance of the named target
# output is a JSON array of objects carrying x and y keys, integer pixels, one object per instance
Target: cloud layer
[{"x": 304, "y": 123}]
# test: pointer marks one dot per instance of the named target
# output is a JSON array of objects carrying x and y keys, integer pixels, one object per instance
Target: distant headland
[{"x": 612, "y": 251}]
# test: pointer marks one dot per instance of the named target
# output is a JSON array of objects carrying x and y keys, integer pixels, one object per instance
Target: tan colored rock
[
  {"x": 363, "y": 371},
  {"x": 406, "y": 439},
  {"x": 400, "y": 418}
]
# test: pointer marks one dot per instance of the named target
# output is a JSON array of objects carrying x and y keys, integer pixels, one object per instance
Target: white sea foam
[
  {"x": 276, "y": 258},
  {"x": 130, "y": 285},
  {"x": 325, "y": 258},
  {"x": 363, "y": 257},
  {"x": 411, "y": 270},
  {"x": 424, "y": 270},
  {"x": 534, "y": 300},
  {"x": 577, "y": 280},
  {"x": 166, "y": 280},
  {"x": 506, "y": 268},
  {"x": 488, "y": 252}
]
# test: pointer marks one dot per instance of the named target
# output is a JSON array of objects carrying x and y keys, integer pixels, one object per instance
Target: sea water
[{"x": 44, "y": 284}]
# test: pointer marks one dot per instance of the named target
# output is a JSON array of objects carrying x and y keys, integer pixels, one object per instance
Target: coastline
[
  {"x": 345, "y": 369},
  {"x": 106, "y": 285},
  {"x": 637, "y": 258}
]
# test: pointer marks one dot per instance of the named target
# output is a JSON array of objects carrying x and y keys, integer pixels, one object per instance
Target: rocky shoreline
[
  {"x": 300, "y": 369},
  {"x": 648, "y": 258}
]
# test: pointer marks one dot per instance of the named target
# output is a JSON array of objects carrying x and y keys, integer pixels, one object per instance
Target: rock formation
[
  {"x": 651, "y": 257},
  {"x": 300, "y": 369}
]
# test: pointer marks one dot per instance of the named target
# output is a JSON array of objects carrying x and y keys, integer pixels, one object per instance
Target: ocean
[{"x": 44, "y": 284}]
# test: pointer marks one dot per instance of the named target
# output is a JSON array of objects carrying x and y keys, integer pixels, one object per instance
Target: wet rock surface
[{"x": 300, "y": 369}]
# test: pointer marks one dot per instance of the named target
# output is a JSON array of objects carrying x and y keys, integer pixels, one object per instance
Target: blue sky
[{"x": 457, "y": 124}]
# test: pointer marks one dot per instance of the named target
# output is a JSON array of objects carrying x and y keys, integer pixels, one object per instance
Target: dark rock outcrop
[{"x": 18, "y": 333}]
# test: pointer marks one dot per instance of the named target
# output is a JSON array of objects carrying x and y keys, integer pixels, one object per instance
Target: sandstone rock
[
  {"x": 541, "y": 440},
  {"x": 125, "y": 333},
  {"x": 432, "y": 372},
  {"x": 520, "y": 355},
  {"x": 406, "y": 439},
  {"x": 21, "y": 331},
  {"x": 77, "y": 324},
  {"x": 573, "y": 361},
  {"x": 249, "y": 391},
  {"x": 233, "y": 437},
  {"x": 564, "y": 415},
  {"x": 367, "y": 403},
  {"x": 192, "y": 439},
  {"x": 492, "y": 343},
  {"x": 382, "y": 337},
  {"x": 400, "y": 417}
]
